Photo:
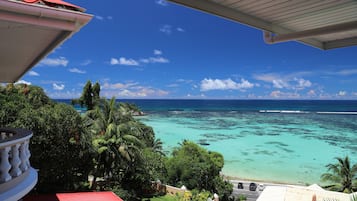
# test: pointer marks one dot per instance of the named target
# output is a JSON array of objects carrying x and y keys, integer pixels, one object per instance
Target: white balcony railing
[{"x": 17, "y": 177}]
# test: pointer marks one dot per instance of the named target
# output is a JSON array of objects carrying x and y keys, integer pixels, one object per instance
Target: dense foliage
[
  {"x": 197, "y": 168},
  {"x": 106, "y": 143},
  {"x": 60, "y": 147},
  {"x": 342, "y": 174}
]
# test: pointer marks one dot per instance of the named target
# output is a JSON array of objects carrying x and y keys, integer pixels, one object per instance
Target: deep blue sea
[{"x": 276, "y": 140}]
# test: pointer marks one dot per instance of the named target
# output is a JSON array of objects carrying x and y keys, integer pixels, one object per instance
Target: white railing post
[
  {"x": 15, "y": 161},
  {"x": 23, "y": 157},
  {"x": 28, "y": 153},
  {"x": 5, "y": 165},
  {"x": 17, "y": 177}
]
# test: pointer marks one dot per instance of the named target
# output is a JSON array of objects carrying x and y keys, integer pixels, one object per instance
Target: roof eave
[
  {"x": 252, "y": 21},
  {"x": 66, "y": 22}
]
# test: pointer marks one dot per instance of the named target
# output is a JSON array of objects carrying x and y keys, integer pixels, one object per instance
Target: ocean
[{"x": 289, "y": 141}]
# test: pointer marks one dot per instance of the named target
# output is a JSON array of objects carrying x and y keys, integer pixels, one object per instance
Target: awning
[
  {"x": 30, "y": 31},
  {"x": 322, "y": 24}
]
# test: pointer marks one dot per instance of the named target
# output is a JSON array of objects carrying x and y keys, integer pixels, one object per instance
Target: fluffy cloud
[
  {"x": 107, "y": 85},
  {"x": 33, "y": 73},
  {"x": 167, "y": 29},
  {"x": 131, "y": 90},
  {"x": 180, "y": 29},
  {"x": 58, "y": 87},
  {"x": 76, "y": 70},
  {"x": 61, "y": 61},
  {"x": 284, "y": 81},
  {"x": 23, "y": 82},
  {"x": 86, "y": 63},
  {"x": 302, "y": 83},
  {"x": 162, "y": 2},
  {"x": 158, "y": 60},
  {"x": 228, "y": 84},
  {"x": 101, "y": 18},
  {"x": 311, "y": 93},
  {"x": 342, "y": 93},
  {"x": 98, "y": 17},
  {"x": 346, "y": 72},
  {"x": 154, "y": 60},
  {"x": 287, "y": 95},
  {"x": 157, "y": 52},
  {"x": 132, "y": 62},
  {"x": 280, "y": 84},
  {"x": 124, "y": 61}
]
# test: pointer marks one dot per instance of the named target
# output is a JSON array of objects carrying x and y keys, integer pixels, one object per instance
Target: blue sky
[{"x": 155, "y": 49}]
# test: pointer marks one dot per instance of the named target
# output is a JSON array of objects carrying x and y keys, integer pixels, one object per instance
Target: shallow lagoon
[{"x": 291, "y": 148}]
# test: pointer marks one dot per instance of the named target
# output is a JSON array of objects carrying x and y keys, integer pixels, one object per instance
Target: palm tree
[
  {"x": 157, "y": 147},
  {"x": 116, "y": 147},
  {"x": 342, "y": 174}
]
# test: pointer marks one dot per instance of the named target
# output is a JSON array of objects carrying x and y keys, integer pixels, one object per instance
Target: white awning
[{"x": 322, "y": 24}]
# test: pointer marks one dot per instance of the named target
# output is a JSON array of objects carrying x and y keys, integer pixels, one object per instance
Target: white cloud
[
  {"x": 114, "y": 61},
  {"x": 167, "y": 29},
  {"x": 302, "y": 83},
  {"x": 128, "y": 62},
  {"x": 184, "y": 81},
  {"x": 285, "y": 81},
  {"x": 158, "y": 60},
  {"x": 346, "y": 72},
  {"x": 131, "y": 90},
  {"x": 107, "y": 85},
  {"x": 180, "y": 29},
  {"x": 23, "y": 82},
  {"x": 162, "y": 2},
  {"x": 98, "y": 17},
  {"x": 311, "y": 93},
  {"x": 33, "y": 73},
  {"x": 157, "y": 52},
  {"x": 280, "y": 84},
  {"x": 61, "y": 61},
  {"x": 155, "y": 60},
  {"x": 76, "y": 70},
  {"x": 86, "y": 62},
  {"x": 58, "y": 87},
  {"x": 109, "y": 17},
  {"x": 342, "y": 93},
  {"x": 228, "y": 84},
  {"x": 124, "y": 61},
  {"x": 288, "y": 95}
]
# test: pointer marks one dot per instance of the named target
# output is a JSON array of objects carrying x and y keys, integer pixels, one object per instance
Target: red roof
[
  {"x": 83, "y": 196},
  {"x": 58, "y": 3}
]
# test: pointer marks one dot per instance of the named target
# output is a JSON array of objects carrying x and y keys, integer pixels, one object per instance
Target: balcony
[{"x": 17, "y": 177}]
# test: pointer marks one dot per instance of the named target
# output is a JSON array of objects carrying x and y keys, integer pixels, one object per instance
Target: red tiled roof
[
  {"x": 57, "y": 2},
  {"x": 83, "y": 196}
]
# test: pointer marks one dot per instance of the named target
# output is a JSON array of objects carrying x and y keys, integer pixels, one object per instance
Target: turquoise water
[
  {"x": 291, "y": 148},
  {"x": 279, "y": 147}
]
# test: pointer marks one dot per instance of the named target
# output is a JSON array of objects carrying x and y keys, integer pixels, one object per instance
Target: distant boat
[{"x": 203, "y": 142}]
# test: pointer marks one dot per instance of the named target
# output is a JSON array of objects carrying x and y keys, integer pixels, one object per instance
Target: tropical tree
[
  {"x": 90, "y": 96},
  {"x": 197, "y": 168},
  {"x": 59, "y": 137},
  {"x": 342, "y": 174},
  {"x": 116, "y": 146},
  {"x": 96, "y": 93}
]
